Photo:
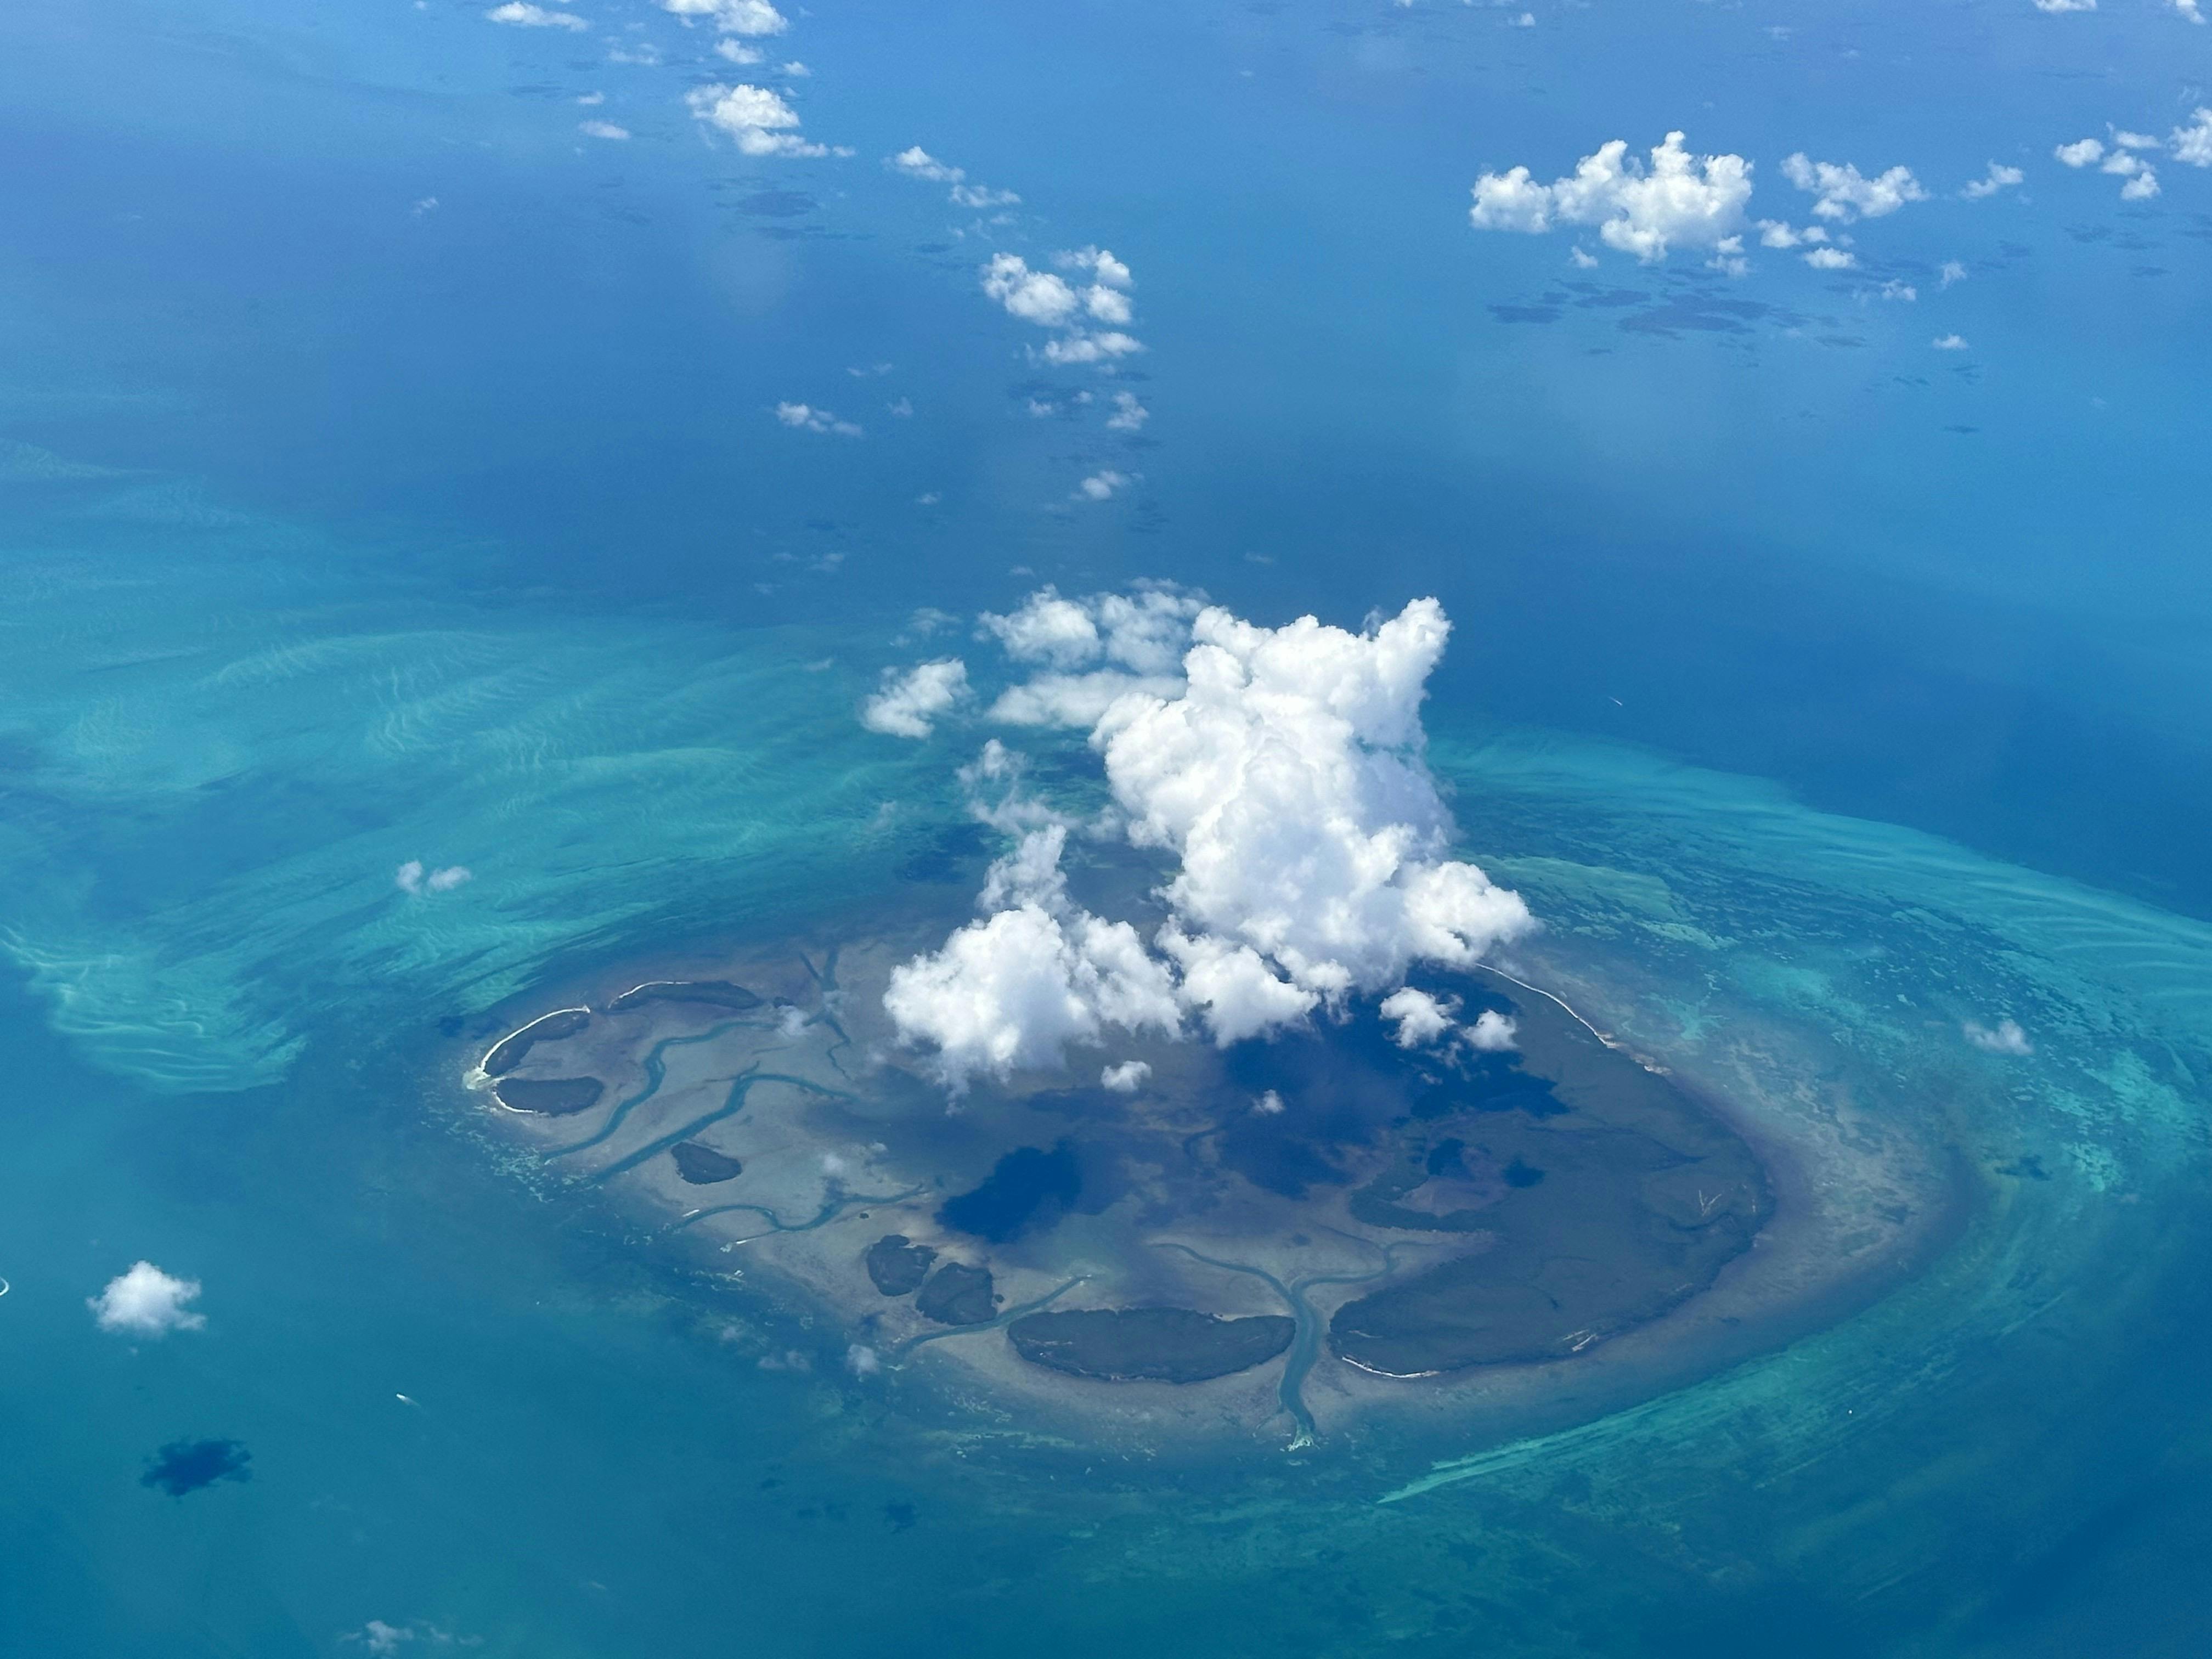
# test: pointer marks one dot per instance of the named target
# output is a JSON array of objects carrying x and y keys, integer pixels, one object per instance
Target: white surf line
[
  {"x": 477, "y": 1078},
  {"x": 1602, "y": 1037},
  {"x": 1606, "y": 1037}
]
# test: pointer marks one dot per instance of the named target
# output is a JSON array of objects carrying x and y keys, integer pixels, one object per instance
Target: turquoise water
[{"x": 340, "y": 532}]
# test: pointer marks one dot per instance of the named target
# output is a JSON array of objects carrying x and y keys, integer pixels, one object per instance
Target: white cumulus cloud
[
  {"x": 2193, "y": 144},
  {"x": 602, "y": 130},
  {"x": 1420, "y": 1018},
  {"x": 758, "y": 118},
  {"x": 1999, "y": 177},
  {"x": 1126, "y": 1079},
  {"x": 1129, "y": 413},
  {"x": 805, "y": 417},
  {"x": 1493, "y": 1032},
  {"x": 414, "y": 878},
  {"x": 147, "y": 1302},
  {"x": 522, "y": 15},
  {"x": 1842, "y": 193},
  {"x": 1680, "y": 198},
  {"x": 2006, "y": 1037},
  {"x": 909, "y": 702},
  {"x": 1949, "y": 343},
  {"x": 749, "y": 17},
  {"x": 1282, "y": 776},
  {"x": 2055, "y": 7},
  {"x": 2082, "y": 153}
]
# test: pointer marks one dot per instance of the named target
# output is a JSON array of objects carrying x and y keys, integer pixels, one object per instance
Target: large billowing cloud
[
  {"x": 1281, "y": 774},
  {"x": 1680, "y": 199}
]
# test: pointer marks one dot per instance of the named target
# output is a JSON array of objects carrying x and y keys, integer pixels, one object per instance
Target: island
[{"x": 1289, "y": 1231}]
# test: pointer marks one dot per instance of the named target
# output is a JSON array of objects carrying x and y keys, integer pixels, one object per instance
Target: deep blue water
[{"x": 387, "y": 473}]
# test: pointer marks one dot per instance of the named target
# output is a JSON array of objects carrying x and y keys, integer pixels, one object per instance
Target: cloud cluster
[
  {"x": 759, "y": 120},
  {"x": 1680, "y": 199},
  {"x": 805, "y": 417},
  {"x": 2122, "y": 156},
  {"x": 147, "y": 1302},
  {"x": 915, "y": 162},
  {"x": 909, "y": 703},
  {"x": 1841, "y": 193},
  {"x": 415, "y": 878},
  {"x": 520, "y": 15},
  {"x": 1092, "y": 651},
  {"x": 1099, "y": 293},
  {"x": 1283, "y": 777},
  {"x": 754, "y": 18}
]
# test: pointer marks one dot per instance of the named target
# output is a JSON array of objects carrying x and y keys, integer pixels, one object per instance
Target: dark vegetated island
[
  {"x": 702, "y": 1166},
  {"x": 716, "y": 993},
  {"x": 896, "y": 1267},
  {"x": 556, "y": 1096},
  {"x": 1584, "y": 1220},
  {"x": 1151, "y": 1345},
  {"x": 958, "y": 1295}
]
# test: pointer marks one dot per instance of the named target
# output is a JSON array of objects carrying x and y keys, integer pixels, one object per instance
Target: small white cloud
[
  {"x": 1830, "y": 258},
  {"x": 520, "y": 15},
  {"x": 1127, "y": 1078},
  {"x": 2193, "y": 144},
  {"x": 805, "y": 417},
  {"x": 2006, "y": 1038},
  {"x": 918, "y": 163},
  {"x": 1102, "y": 485},
  {"x": 908, "y": 703},
  {"x": 1949, "y": 343},
  {"x": 736, "y": 51},
  {"x": 2082, "y": 153},
  {"x": 862, "y": 1360},
  {"x": 1269, "y": 1104},
  {"x": 2191, "y": 10},
  {"x": 1842, "y": 193},
  {"x": 796, "y": 70},
  {"x": 1420, "y": 1018},
  {"x": 591, "y": 100},
  {"x": 1580, "y": 261},
  {"x": 902, "y": 408},
  {"x": 1493, "y": 1032},
  {"x": 982, "y": 197},
  {"x": 752, "y": 17},
  {"x": 602, "y": 130},
  {"x": 1082, "y": 348},
  {"x": 2055, "y": 7},
  {"x": 1999, "y": 177},
  {"x": 1129, "y": 413},
  {"x": 1950, "y": 271},
  {"x": 147, "y": 1302},
  {"x": 413, "y": 878},
  {"x": 1693, "y": 201},
  {"x": 1894, "y": 289},
  {"x": 2141, "y": 187},
  {"x": 758, "y": 118},
  {"x": 1098, "y": 263}
]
